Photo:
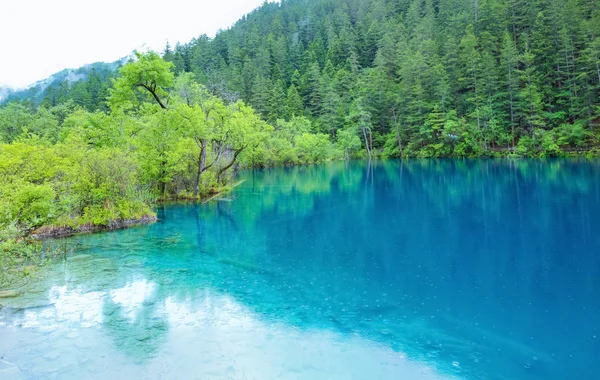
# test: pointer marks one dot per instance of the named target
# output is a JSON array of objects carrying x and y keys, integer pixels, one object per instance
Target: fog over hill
[
  {"x": 35, "y": 91},
  {"x": 4, "y": 92}
]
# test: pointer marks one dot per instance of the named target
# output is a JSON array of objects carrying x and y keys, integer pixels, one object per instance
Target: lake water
[{"x": 414, "y": 269}]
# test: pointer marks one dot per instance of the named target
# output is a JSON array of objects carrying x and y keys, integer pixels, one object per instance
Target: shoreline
[{"x": 58, "y": 232}]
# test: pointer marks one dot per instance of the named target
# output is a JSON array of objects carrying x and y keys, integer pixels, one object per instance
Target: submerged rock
[
  {"x": 9, "y": 293},
  {"x": 80, "y": 257},
  {"x": 10, "y": 371},
  {"x": 52, "y": 355}
]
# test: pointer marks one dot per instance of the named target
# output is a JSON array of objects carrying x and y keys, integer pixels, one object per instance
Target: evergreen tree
[
  {"x": 294, "y": 104},
  {"x": 496, "y": 71}
]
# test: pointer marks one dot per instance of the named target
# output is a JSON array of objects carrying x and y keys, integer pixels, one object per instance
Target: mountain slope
[
  {"x": 414, "y": 77},
  {"x": 427, "y": 76},
  {"x": 84, "y": 85}
]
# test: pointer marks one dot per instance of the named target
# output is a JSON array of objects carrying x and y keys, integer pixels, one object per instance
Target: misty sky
[{"x": 41, "y": 37}]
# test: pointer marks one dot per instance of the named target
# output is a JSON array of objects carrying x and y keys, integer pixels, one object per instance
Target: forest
[
  {"x": 298, "y": 82},
  {"x": 418, "y": 78}
]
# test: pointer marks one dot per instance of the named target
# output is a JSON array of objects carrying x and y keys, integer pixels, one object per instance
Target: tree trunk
[
  {"x": 366, "y": 143},
  {"x": 230, "y": 164},
  {"x": 514, "y": 27},
  {"x": 589, "y": 112},
  {"x": 396, "y": 123},
  {"x": 201, "y": 166},
  {"x": 476, "y": 101},
  {"x": 163, "y": 183},
  {"x": 155, "y": 95},
  {"x": 597, "y": 60},
  {"x": 512, "y": 109}
]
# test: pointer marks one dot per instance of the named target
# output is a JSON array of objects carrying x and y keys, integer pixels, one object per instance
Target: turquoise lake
[{"x": 417, "y": 269}]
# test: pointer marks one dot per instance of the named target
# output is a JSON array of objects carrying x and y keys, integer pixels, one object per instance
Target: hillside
[
  {"x": 423, "y": 77},
  {"x": 86, "y": 86},
  {"x": 413, "y": 78}
]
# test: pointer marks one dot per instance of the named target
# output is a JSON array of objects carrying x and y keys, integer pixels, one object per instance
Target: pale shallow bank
[{"x": 71, "y": 334}]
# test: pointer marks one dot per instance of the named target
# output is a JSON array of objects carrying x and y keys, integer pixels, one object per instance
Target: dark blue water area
[
  {"x": 479, "y": 269},
  {"x": 488, "y": 266}
]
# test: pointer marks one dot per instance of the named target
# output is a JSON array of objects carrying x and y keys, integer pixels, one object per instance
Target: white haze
[{"x": 40, "y": 37}]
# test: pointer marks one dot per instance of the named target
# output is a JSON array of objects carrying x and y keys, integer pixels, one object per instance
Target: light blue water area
[{"x": 391, "y": 270}]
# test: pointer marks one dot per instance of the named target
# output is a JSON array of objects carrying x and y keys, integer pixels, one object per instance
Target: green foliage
[
  {"x": 349, "y": 143},
  {"x": 313, "y": 147},
  {"x": 514, "y": 68},
  {"x": 163, "y": 137},
  {"x": 26, "y": 204},
  {"x": 15, "y": 250},
  {"x": 505, "y": 70},
  {"x": 148, "y": 75},
  {"x": 63, "y": 184}
]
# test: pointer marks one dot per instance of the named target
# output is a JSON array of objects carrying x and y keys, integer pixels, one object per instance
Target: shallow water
[{"x": 395, "y": 270}]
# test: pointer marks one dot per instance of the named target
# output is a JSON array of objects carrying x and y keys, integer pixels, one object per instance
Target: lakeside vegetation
[
  {"x": 164, "y": 137},
  {"x": 300, "y": 82}
]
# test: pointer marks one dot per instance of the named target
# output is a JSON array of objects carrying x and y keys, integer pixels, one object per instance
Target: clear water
[{"x": 395, "y": 270}]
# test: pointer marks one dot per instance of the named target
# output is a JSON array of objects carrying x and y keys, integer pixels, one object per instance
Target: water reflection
[
  {"x": 204, "y": 333},
  {"x": 475, "y": 269}
]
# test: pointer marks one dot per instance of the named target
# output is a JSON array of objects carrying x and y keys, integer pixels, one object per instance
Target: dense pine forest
[
  {"x": 416, "y": 78},
  {"x": 297, "y": 82},
  {"x": 409, "y": 78}
]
